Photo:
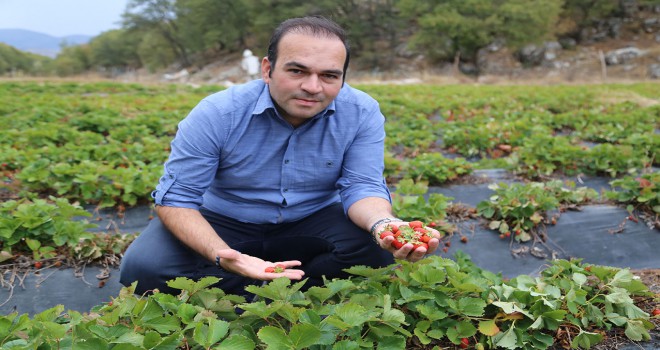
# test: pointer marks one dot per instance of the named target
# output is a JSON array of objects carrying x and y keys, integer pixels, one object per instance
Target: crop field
[{"x": 68, "y": 150}]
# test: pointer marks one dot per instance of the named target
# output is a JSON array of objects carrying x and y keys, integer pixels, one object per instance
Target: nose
[{"x": 312, "y": 84}]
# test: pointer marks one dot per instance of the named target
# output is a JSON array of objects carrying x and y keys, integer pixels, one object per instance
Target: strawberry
[
  {"x": 464, "y": 239},
  {"x": 385, "y": 234},
  {"x": 655, "y": 312},
  {"x": 416, "y": 223},
  {"x": 38, "y": 265},
  {"x": 270, "y": 269},
  {"x": 464, "y": 343}
]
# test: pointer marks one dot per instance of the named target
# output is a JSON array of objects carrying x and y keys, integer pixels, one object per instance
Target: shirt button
[
  {"x": 286, "y": 190},
  {"x": 286, "y": 161}
]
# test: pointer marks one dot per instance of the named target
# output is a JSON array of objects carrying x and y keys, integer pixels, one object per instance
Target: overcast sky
[{"x": 62, "y": 17}]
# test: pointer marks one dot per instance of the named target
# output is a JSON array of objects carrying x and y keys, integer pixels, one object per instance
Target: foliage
[
  {"x": 13, "y": 60},
  {"x": 434, "y": 301},
  {"x": 454, "y": 27},
  {"x": 436, "y": 169},
  {"x": 518, "y": 209},
  {"x": 641, "y": 192},
  {"x": 410, "y": 203}
]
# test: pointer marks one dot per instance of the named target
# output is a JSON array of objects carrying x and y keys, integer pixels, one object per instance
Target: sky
[{"x": 62, "y": 17}]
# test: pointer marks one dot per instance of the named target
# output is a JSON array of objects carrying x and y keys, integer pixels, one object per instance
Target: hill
[{"x": 39, "y": 43}]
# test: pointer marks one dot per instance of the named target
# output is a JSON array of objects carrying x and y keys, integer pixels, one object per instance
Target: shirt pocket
[{"x": 326, "y": 172}]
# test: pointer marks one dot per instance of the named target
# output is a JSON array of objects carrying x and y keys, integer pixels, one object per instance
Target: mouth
[{"x": 306, "y": 102}]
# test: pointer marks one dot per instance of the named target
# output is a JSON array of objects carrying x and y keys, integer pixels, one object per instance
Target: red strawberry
[
  {"x": 270, "y": 269},
  {"x": 416, "y": 223},
  {"x": 38, "y": 265},
  {"x": 396, "y": 244},
  {"x": 655, "y": 312},
  {"x": 464, "y": 343},
  {"x": 464, "y": 239},
  {"x": 425, "y": 239},
  {"x": 385, "y": 234}
]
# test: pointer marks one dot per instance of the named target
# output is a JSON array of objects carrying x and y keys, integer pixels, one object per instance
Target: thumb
[{"x": 229, "y": 254}]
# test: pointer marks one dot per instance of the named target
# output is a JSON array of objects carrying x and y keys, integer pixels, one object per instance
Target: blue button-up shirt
[{"x": 235, "y": 155}]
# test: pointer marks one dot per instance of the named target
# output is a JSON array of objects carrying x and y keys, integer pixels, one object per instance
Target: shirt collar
[{"x": 265, "y": 102}]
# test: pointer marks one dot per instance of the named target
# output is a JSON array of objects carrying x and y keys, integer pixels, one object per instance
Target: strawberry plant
[
  {"x": 436, "y": 169},
  {"x": 518, "y": 209},
  {"x": 409, "y": 202},
  {"x": 640, "y": 192},
  {"x": 433, "y": 303}
]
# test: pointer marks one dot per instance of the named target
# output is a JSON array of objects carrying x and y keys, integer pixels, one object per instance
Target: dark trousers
[{"x": 326, "y": 242}]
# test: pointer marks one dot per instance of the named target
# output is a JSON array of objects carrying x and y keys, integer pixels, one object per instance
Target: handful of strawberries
[{"x": 414, "y": 232}]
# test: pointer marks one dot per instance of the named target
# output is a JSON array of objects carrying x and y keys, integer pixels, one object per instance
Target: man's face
[{"x": 307, "y": 75}]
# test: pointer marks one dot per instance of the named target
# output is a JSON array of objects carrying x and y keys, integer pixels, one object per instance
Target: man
[
  {"x": 250, "y": 64},
  {"x": 285, "y": 170}
]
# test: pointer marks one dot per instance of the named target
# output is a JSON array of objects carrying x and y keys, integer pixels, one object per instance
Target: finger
[
  {"x": 434, "y": 243},
  {"x": 386, "y": 243},
  {"x": 417, "y": 254},
  {"x": 289, "y": 263},
  {"x": 403, "y": 252},
  {"x": 229, "y": 254}
]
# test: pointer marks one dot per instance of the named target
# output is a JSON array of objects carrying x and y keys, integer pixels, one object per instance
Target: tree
[
  {"x": 461, "y": 27},
  {"x": 156, "y": 17},
  {"x": 73, "y": 60},
  {"x": 210, "y": 25},
  {"x": 115, "y": 49}
]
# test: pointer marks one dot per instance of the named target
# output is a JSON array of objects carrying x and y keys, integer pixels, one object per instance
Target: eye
[
  {"x": 295, "y": 71},
  {"x": 331, "y": 76}
]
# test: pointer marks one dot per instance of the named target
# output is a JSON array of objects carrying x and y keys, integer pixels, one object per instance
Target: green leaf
[
  {"x": 579, "y": 278},
  {"x": 346, "y": 345},
  {"x": 392, "y": 343},
  {"x": 304, "y": 335},
  {"x": 353, "y": 314},
  {"x": 131, "y": 338},
  {"x": 275, "y": 338},
  {"x": 164, "y": 325},
  {"x": 211, "y": 333},
  {"x": 636, "y": 331},
  {"x": 507, "y": 340},
  {"x": 187, "y": 313},
  {"x": 472, "y": 306},
  {"x": 237, "y": 342},
  {"x": 586, "y": 340}
]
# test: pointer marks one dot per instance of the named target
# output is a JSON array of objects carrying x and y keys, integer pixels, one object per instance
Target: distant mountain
[{"x": 39, "y": 43}]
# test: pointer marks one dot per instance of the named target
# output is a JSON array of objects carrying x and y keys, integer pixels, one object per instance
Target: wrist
[{"x": 376, "y": 224}]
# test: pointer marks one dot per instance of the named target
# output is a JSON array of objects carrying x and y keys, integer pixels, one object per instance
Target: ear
[{"x": 265, "y": 70}]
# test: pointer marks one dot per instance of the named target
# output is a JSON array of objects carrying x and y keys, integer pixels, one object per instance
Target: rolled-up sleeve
[
  {"x": 362, "y": 172},
  {"x": 194, "y": 157}
]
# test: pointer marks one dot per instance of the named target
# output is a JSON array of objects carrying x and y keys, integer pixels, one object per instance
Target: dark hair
[{"x": 314, "y": 25}]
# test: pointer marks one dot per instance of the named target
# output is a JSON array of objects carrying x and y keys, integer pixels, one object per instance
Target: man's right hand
[{"x": 255, "y": 268}]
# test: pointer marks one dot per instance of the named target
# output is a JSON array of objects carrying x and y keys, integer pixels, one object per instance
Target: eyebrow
[{"x": 304, "y": 67}]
